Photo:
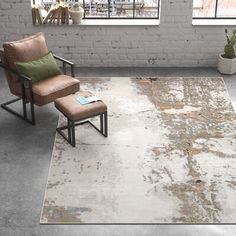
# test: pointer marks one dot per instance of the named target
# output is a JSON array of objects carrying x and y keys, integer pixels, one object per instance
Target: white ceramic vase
[
  {"x": 226, "y": 65},
  {"x": 76, "y": 14}
]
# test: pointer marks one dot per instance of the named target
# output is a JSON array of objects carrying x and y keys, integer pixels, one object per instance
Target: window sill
[
  {"x": 214, "y": 22},
  {"x": 112, "y": 22}
]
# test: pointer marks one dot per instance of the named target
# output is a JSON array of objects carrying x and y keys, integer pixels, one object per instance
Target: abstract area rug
[{"x": 170, "y": 156}]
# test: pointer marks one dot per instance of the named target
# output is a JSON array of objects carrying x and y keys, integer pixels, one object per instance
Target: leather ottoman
[{"x": 75, "y": 113}]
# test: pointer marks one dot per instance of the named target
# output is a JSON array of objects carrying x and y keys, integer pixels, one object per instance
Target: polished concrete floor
[{"x": 25, "y": 153}]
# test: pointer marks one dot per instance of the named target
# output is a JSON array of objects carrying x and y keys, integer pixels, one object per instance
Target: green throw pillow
[{"x": 40, "y": 69}]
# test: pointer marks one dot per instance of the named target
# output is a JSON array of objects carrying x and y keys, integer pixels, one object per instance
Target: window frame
[
  {"x": 122, "y": 18},
  {"x": 215, "y": 17}
]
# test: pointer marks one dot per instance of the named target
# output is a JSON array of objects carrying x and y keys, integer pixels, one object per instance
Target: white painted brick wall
[{"x": 175, "y": 42}]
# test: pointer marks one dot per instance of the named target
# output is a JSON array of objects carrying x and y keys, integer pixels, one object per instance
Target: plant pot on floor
[
  {"x": 76, "y": 14},
  {"x": 226, "y": 65}
]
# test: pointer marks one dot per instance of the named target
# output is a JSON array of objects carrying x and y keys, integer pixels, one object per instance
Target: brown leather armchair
[{"x": 39, "y": 93}]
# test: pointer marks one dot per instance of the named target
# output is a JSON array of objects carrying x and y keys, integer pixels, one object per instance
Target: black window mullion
[
  {"x": 216, "y": 8},
  {"x": 109, "y": 3},
  {"x": 109, "y": 13},
  {"x": 84, "y": 7},
  {"x": 133, "y": 8}
]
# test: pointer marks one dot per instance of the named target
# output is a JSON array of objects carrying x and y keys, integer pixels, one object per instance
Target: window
[
  {"x": 108, "y": 9},
  {"x": 214, "y": 9}
]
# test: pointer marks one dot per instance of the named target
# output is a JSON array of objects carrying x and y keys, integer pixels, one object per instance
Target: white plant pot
[
  {"x": 76, "y": 16},
  {"x": 226, "y": 65}
]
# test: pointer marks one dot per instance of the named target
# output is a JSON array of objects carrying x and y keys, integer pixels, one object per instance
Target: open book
[{"x": 87, "y": 100}]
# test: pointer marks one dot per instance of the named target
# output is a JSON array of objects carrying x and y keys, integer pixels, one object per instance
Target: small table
[{"x": 71, "y": 108}]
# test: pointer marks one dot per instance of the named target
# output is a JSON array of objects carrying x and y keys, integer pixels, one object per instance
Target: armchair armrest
[
  {"x": 26, "y": 94},
  {"x": 64, "y": 62},
  {"x": 26, "y": 82},
  {"x": 21, "y": 76}
]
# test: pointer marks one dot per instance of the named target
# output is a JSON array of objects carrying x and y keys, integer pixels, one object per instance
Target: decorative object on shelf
[
  {"x": 227, "y": 61},
  {"x": 36, "y": 14},
  {"x": 76, "y": 13},
  {"x": 58, "y": 13}
]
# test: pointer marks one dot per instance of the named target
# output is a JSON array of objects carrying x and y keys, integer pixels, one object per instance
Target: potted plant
[
  {"x": 76, "y": 13},
  {"x": 227, "y": 61}
]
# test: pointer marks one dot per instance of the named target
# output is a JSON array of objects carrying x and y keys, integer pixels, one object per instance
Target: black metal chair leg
[
  {"x": 101, "y": 123},
  {"x": 106, "y": 124},
  {"x": 70, "y": 127},
  {"x": 69, "y": 130},
  {"x": 24, "y": 101},
  {"x": 31, "y": 104},
  {"x": 24, "y": 108},
  {"x": 32, "y": 113},
  {"x": 73, "y": 133},
  {"x": 24, "y": 116}
]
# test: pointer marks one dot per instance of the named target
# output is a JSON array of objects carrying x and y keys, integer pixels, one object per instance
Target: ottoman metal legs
[{"x": 71, "y": 128}]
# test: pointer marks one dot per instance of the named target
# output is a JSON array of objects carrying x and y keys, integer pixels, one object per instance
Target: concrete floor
[{"x": 25, "y": 153}]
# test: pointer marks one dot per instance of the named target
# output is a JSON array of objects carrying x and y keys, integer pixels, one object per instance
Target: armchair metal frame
[{"x": 26, "y": 85}]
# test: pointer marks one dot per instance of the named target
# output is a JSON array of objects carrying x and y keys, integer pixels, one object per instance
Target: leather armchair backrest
[{"x": 27, "y": 49}]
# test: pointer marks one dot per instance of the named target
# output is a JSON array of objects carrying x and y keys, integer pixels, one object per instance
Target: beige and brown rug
[{"x": 170, "y": 156}]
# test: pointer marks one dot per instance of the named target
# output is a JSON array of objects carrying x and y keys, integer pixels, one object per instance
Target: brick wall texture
[{"x": 175, "y": 42}]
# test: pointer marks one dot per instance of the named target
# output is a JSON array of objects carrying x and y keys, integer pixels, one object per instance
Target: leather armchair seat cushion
[{"x": 48, "y": 90}]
